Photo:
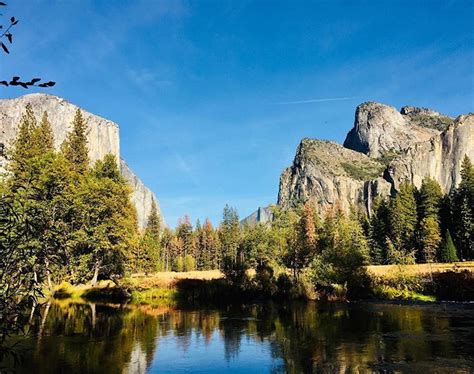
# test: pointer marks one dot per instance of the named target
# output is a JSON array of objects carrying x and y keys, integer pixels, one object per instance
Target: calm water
[{"x": 361, "y": 337}]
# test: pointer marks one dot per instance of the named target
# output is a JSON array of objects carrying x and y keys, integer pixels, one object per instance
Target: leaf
[
  {"x": 51, "y": 83},
  {"x": 35, "y": 80},
  {"x": 15, "y": 78},
  {"x": 12, "y": 19},
  {"x": 2, "y": 3},
  {"x": 9, "y": 37},
  {"x": 44, "y": 85},
  {"x": 4, "y": 83},
  {"x": 14, "y": 83},
  {"x": 4, "y": 47},
  {"x": 24, "y": 85}
]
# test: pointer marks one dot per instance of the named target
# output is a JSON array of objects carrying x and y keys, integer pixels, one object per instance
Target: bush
[
  {"x": 235, "y": 272},
  {"x": 454, "y": 285},
  {"x": 264, "y": 279}
]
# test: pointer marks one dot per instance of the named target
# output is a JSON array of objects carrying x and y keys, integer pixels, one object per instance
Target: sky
[{"x": 213, "y": 97}]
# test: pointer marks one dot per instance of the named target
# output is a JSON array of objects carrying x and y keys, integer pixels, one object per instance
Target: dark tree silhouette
[{"x": 6, "y": 37}]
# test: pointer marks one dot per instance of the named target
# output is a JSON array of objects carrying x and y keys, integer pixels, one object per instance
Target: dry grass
[
  {"x": 169, "y": 278},
  {"x": 387, "y": 270}
]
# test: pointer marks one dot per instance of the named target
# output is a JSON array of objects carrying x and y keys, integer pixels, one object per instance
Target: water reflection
[{"x": 73, "y": 337}]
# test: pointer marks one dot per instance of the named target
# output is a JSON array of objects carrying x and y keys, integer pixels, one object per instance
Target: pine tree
[
  {"x": 106, "y": 220},
  {"x": 22, "y": 147},
  {"x": 378, "y": 231},
  {"x": 44, "y": 135},
  {"x": 184, "y": 232},
  {"x": 74, "y": 147},
  {"x": 153, "y": 227},
  {"x": 229, "y": 234},
  {"x": 403, "y": 218},
  {"x": 430, "y": 199},
  {"x": 448, "y": 252},
  {"x": 463, "y": 211},
  {"x": 430, "y": 238}
]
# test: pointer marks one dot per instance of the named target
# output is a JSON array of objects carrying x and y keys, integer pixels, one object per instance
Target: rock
[
  {"x": 383, "y": 149},
  {"x": 261, "y": 215},
  {"x": 330, "y": 174},
  {"x": 380, "y": 130},
  {"x": 426, "y": 118},
  {"x": 103, "y": 138},
  {"x": 439, "y": 158},
  {"x": 141, "y": 197}
]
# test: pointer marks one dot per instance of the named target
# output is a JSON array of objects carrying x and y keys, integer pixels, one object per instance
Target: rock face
[
  {"x": 261, "y": 215},
  {"x": 103, "y": 138},
  {"x": 384, "y": 148},
  {"x": 329, "y": 174},
  {"x": 380, "y": 129},
  {"x": 439, "y": 158}
]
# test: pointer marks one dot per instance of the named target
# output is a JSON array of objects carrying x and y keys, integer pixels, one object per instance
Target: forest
[{"x": 62, "y": 219}]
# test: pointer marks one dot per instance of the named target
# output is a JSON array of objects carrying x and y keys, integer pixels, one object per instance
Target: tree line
[
  {"x": 415, "y": 225},
  {"x": 62, "y": 218}
]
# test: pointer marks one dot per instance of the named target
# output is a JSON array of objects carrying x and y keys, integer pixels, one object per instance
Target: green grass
[
  {"x": 384, "y": 292},
  {"x": 362, "y": 171},
  {"x": 155, "y": 296}
]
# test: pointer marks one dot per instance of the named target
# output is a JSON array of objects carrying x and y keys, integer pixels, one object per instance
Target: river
[{"x": 77, "y": 337}]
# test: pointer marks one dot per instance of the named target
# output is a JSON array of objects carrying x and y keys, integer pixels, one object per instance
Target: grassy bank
[{"x": 420, "y": 282}]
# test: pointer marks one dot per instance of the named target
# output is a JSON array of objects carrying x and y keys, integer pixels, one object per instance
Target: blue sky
[{"x": 213, "y": 97}]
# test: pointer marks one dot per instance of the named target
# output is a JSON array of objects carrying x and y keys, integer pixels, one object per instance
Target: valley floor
[{"x": 389, "y": 282}]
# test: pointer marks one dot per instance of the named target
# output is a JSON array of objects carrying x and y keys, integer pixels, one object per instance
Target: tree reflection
[{"x": 95, "y": 338}]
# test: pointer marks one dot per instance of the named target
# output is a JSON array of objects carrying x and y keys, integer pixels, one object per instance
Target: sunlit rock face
[
  {"x": 329, "y": 174},
  {"x": 439, "y": 158},
  {"x": 380, "y": 129},
  {"x": 384, "y": 148},
  {"x": 102, "y": 135},
  {"x": 261, "y": 215}
]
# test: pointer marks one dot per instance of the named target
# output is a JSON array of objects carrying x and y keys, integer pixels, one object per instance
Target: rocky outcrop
[
  {"x": 439, "y": 158},
  {"x": 384, "y": 148},
  {"x": 380, "y": 129},
  {"x": 329, "y": 174},
  {"x": 261, "y": 215},
  {"x": 103, "y": 138}
]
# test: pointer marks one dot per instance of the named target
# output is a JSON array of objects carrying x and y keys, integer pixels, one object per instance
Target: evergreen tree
[
  {"x": 166, "y": 248},
  {"x": 403, "y": 218},
  {"x": 107, "y": 223},
  {"x": 430, "y": 199},
  {"x": 44, "y": 135},
  {"x": 22, "y": 147},
  {"x": 153, "y": 227},
  {"x": 448, "y": 252},
  {"x": 229, "y": 234},
  {"x": 379, "y": 231},
  {"x": 463, "y": 211},
  {"x": 430, "y": 238},
  {"x": 344, "y": 252},
  {"x": 74, "y": 147},
  {"x": 184, "y": 231}
]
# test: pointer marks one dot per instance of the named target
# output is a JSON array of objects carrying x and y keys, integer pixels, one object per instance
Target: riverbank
[{"x": 421, "y": 282}]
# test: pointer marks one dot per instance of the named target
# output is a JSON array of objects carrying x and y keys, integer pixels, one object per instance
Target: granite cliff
[
  {"x": 103, "y": 138},
  {"x": 384, "y": 147}
]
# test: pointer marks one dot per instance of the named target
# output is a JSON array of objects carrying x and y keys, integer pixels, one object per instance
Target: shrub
[{"x": 454, "y": 285}]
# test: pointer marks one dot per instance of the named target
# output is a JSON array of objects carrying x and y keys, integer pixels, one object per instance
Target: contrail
[{"x": 315, "y": 100}]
